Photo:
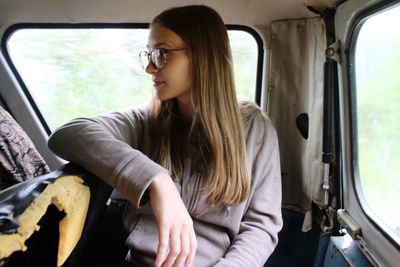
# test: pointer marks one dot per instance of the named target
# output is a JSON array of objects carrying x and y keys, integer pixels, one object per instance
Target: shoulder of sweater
[
  {"x": 137, "y": 112},
  {"x": 250, "y": 111},
  {"x": 256, "y": 123}
]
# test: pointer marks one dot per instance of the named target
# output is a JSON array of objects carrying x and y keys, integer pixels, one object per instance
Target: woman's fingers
[
  {"x": 163, "y": 240},
  {"x": 174, "y": 248},
  {"x": 185, "y": 250},
  {"x": 193, "y": 248},
  {"x": 182, "y": 248}
]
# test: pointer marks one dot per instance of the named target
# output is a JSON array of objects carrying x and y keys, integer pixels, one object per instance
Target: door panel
[{"x": 370, "y": 93}]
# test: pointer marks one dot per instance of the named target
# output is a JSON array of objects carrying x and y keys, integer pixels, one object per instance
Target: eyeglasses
[{"x": 157, "y": 57}]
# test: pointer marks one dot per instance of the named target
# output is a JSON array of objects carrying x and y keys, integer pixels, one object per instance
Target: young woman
[{"x": 200, "y": 171}]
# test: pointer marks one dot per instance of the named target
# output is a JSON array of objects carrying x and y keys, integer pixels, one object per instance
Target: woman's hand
[{"x": 175, "y": 226}]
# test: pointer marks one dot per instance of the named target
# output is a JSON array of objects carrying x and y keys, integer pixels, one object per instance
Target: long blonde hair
[{"x": 216, "y": 130}]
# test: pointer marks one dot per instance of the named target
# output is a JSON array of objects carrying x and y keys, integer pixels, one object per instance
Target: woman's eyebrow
[{"x": 158, "y": 45}]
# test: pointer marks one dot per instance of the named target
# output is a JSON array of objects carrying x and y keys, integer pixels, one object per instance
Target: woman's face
[{"x": 175, "y": 79}]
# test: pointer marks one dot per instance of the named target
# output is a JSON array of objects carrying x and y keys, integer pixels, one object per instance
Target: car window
[
  {"x": 73, "y": 72},
  {"x": 377, "y": 68}
]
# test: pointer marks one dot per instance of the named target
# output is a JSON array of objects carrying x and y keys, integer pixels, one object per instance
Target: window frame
[
  {"x": 20, "y": 26},
  {"x": 351, "y": 65}
]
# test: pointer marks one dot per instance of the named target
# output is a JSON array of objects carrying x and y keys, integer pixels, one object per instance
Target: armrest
[{"x": 72, "y": 190}]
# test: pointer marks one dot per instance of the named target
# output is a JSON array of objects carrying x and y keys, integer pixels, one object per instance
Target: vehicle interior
[{"x": 325, "y": 72}]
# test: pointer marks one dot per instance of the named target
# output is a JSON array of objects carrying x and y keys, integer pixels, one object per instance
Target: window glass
[
  {"x": 377, "y": 65},
  {"x": 245, "y": 55},
  {"x": 82, "y": 72}
]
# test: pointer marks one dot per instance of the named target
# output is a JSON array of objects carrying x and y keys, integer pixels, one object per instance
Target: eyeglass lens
[{"x": 156, "y": 56}]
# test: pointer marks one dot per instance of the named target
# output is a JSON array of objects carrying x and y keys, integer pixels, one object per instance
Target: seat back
[{"x": 19, "y": 159}]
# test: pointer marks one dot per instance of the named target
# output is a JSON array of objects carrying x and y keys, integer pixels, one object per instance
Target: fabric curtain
[{"x": 295, "y": 106}]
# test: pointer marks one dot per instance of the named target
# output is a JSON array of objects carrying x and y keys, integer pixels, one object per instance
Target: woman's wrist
[{"x": 158, "y": 181}]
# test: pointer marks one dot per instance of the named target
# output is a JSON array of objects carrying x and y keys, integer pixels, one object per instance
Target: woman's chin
[{"x": 162, "y": 97}]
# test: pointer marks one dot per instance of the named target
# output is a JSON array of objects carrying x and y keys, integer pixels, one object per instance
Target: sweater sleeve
[
  {"x": 258, "y": 231},
  {"x": 107, "y": 146}
]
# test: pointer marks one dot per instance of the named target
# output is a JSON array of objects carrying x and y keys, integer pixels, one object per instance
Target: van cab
[{"x": 325, "y": 72}]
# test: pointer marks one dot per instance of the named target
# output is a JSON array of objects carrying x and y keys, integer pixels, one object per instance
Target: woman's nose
[{"x": 150, "y": 68}]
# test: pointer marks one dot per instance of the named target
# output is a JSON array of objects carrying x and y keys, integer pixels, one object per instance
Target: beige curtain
[{"x": 295, "y": 87}]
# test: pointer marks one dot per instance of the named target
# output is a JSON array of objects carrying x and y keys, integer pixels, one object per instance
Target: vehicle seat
[
  {"x": 20, "y": 162},
  {"x": 43, "y": 244}
]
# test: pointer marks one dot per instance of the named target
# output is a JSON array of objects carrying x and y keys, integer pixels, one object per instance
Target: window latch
[{"x": 352, "y": 228}]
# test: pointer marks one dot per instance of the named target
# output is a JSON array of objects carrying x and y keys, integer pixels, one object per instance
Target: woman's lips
[{"x": 157, "y": 83}]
